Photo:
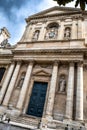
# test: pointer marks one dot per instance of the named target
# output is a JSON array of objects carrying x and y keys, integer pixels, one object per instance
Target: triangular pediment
[
  {"x": 41, "y": 73},
  {"x": 56, "y": 10}
]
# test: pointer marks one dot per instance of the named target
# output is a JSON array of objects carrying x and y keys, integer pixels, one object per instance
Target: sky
[{"x": 14, "y": 12}]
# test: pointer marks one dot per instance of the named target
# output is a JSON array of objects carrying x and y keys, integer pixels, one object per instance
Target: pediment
[
  {"x": 42, "y": 73},
  {"x": 56, "y": 10}
]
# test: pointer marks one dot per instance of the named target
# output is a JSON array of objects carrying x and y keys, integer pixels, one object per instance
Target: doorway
[{"x": 37, "y": 99}]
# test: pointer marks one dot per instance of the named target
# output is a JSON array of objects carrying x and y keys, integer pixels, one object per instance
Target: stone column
[
  {"x": 11, "y": 85},
  {"x": 74, "y": 29},
  {"x": 6, "y": 81},
  {"x": 25, "y": 86},
  {"x": 61, "y": 30},
  {"x": 79, "y": 93},
  {"x": 51, "y": 96},
  {"x": 42, "y": 32},
  {"x": 79, "y": 28},
  {"x": 70, "y": 91},
  {"x": 30, "y": 32}
]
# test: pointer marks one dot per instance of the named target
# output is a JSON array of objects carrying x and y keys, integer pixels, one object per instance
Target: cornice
[
  {"x": 54, "y": 51},
  {"x": 49, "y": 41},
  {"x": 58, "y": 8},
  {"x": 54, "y": 15}
]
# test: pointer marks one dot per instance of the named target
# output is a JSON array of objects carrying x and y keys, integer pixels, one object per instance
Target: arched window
[
  {"x": 52, "y": 31},
  {"x": 67, "y": 33},
  {"x": 36, "y": 35},
  {"x": 21, "y": 80},
  {"x": 2, "y": 71}
]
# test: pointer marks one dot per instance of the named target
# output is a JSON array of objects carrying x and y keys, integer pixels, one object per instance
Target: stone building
[{"x": 43, "y": 78}]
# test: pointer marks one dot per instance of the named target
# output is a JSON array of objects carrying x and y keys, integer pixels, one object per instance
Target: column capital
[
  {"x": 79, "y": 64},
  {"x": 55, "y": 63},
  {"x": 19, "y": 62},
  {"x": 71, "y": 63},
  {"x": 12, "y": 62},
  {"x": 16, "y": 61},
  {"x": 31, "y": 62}
]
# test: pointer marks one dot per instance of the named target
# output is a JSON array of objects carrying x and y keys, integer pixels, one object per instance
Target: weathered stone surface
[{"x": 54, "y": 56}]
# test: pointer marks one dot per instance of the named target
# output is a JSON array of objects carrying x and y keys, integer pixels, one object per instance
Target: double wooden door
[{"x": 37, "y": 99}]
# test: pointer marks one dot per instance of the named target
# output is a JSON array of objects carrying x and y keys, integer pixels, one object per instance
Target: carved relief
[
  {"x": 52, "y": 31},
  {"x": 43, "y": 66},
  {"x": 41, "y": 72}
]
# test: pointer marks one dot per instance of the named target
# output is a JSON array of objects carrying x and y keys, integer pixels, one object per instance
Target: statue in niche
[
  {"x": 21, "y": 80},
  {"x": 36, "y": 35},
  {"x": 62, "y": 84},
  {"x": 67, "y": 33}
]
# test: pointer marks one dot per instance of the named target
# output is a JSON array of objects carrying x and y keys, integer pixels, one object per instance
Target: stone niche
[
  {"x": 85, "y": 92},
  {"x": 60, "y": 95},
  {"x": 17, "y": 87}
]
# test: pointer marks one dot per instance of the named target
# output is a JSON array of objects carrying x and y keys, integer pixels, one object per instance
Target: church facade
[{"x": 43, "y": 78}]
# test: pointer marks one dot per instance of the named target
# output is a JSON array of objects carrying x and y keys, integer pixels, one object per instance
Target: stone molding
[
  {"x": 52, "y": 51},
  {"x": 53, "y": 15},
  {"x": 45, "y": 41}
]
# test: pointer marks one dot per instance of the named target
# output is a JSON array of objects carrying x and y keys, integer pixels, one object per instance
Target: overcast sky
[{"x": 14, "y": 12}]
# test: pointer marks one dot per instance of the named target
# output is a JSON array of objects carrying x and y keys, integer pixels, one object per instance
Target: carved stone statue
[
  {"x": 5, "y": 44},
  {"x": 21, "y": 80},
  {"x": 62, "y": 84},
  {"x": 67, "y": 33},
  {"x": 36, "y": 35}
]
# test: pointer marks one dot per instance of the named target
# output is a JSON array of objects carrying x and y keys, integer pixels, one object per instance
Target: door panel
[{"x": 37, "y": 99}]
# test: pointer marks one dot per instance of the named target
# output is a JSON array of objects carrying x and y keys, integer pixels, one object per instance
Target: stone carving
[
  {"x": 5, "y": 44},
  {"x": 5, "y": 118},
  {"x": 21, "y": 80},
  {"x": 62, "y": 84},
  {"x": 36, "y": 35},
  {"x": 85, "y": 67},
  {"x": 67, "y": 33},
  {"x": 51, "y": 33},
  {"x": 43, "y": 66}
]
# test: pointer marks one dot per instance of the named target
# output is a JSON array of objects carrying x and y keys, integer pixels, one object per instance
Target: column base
[
  {"x": 79, "y": 120},
  {"x": 68, "y": 118},
  {"x": 49, "y": 117}
]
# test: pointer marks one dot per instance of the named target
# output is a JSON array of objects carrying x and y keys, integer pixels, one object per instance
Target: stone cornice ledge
[
  {"x": 53, "y": 15},
  {"x": 42, "y": 51},
  {"x": 46, "y": 41}
]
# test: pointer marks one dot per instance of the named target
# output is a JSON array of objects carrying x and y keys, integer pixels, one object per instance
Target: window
[{"x": 2, "y": 71}]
